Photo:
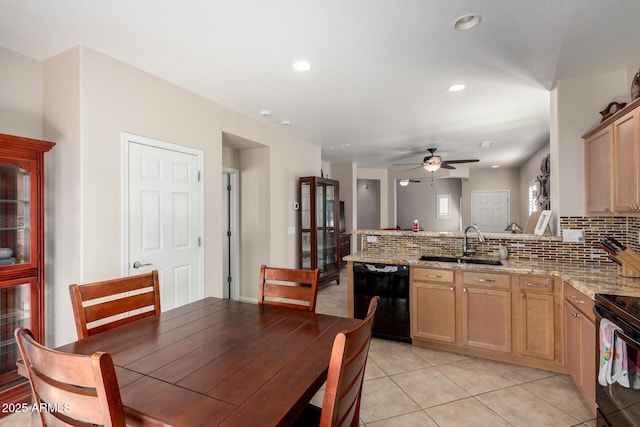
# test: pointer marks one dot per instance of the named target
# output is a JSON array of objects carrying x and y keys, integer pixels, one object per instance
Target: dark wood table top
[{"x": 220, "y": 362}]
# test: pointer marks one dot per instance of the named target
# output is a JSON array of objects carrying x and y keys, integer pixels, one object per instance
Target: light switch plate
[
  {"x": 570, "y": 235},
  {"x": 291, "y": 230}
]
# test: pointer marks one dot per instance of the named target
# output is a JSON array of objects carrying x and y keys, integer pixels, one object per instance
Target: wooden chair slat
[
  {"x": 146, "y": 293},
  {"x": 283, "y": 286},
  {"x": 78, "y": 403}
]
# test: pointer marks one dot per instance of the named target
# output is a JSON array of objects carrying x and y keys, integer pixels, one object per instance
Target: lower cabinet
[
  {"x": 486, "y": 319},
  {"x": 538, "y": 316},
  {"x": 433, "y": 305},
  {"x": 580, "y": 343},
  {"x": 508, "y": 317}
]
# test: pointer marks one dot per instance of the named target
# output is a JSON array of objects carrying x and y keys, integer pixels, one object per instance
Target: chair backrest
[
  {"x": 71, "y": 389},
  {"x": 288, "y": 287},
  {"x": 101, "y": 306},
  {"x": 341, "y": 405}
]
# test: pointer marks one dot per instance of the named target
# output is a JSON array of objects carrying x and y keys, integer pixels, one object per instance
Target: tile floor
[
  {"x": 412, "y": 386},
  {"x": 407, "y": 385}
]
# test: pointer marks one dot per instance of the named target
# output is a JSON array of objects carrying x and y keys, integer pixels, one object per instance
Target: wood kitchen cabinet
[
  {"x": 486, "y": 311},
  {"x": 580, "y": 343},
  {"x": 22, "y": 257},
  {"x": 599, "y": 171},
  {"x": 537, "y": 323},
  {"x": 433, "y": 304},
  {"x": 612, "y": 164},
  {"x": 626, "y": 148},
  {"x": 319, "y": 219}
]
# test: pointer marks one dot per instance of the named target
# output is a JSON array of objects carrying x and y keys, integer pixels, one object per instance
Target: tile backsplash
[{"x": 544, "y": 248}]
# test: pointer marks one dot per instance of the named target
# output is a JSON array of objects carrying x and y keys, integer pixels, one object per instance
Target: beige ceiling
[{"x": 376, "y": 93}]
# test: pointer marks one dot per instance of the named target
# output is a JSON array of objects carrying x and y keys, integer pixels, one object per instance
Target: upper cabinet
[
  {"x": 612, "y": 164},
  {"x": 21, "y": 254}
]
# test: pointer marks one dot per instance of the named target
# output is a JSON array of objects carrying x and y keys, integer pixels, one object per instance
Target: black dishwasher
[{"x": 391, "y": 284}]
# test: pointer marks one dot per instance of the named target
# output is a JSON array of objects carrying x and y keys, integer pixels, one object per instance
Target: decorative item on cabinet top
[
  {"x": 612, "y": 108},
  {"x": 635, "y": 86}
]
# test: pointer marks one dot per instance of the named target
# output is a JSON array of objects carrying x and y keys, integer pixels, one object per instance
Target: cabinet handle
[
  {"x": 576, "y": 300},
  {"x": 574, "y": 314},
  {"x": 480, "y": 279},
  {"x": 542, "y": 285},
  {"x": 452, "y": 288},
  {"x": 465, "y": 290},
  {"x": 433, "y": 276}
]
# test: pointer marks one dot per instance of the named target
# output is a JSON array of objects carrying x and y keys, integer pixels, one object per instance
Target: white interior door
[
  {"x": 490, "y": 210},
  {"x": 164, "y": 219}
]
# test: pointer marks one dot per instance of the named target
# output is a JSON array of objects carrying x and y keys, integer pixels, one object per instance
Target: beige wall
[
  {"x": 575, "y": 104},
  {"x": 20, "y": 95},
  {"x": 89, "y": 100}
]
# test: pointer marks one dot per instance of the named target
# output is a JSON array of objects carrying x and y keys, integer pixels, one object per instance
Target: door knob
[{"x": 138, "y": 264}]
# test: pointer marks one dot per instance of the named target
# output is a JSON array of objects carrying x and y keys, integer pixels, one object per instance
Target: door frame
[
  {"x": 234, "y": 218},
  {"x": 126, "y": 139}
]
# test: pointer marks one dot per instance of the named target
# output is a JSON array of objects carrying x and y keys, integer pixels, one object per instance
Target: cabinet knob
[
  {"x": 465, "y": 290},
  {"x": 452, "y": 288},
  {"x": 523, "y": 295}
]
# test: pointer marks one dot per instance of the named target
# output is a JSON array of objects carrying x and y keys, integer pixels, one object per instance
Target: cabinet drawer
[
  {"x": 432, "y": 275},
  {"x": 541, "y": 284},
  {"x": 489, "y": 280},
  {"x": 577, "y": 299}
]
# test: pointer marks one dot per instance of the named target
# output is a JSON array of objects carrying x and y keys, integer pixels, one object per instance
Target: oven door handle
[
  {"x": 626, "y": 338},
  {"x": 602, "y": 313}
]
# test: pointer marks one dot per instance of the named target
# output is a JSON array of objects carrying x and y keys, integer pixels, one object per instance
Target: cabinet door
[
  {"x": 537, "y": 323},
  {"x": 434, "y": 311},
  {"x": 626, "y": 154},
  {"x": 486, "y": 319},
  {"x": 598, "y": 171}
]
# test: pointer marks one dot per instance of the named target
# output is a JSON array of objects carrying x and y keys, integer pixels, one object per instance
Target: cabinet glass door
[
  {"x": 15, "y": 311},
  {"x": 15, "y": 215}
]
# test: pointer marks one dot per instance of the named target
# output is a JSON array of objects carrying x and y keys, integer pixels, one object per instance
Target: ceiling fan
[{"x": 432, "y": 162}]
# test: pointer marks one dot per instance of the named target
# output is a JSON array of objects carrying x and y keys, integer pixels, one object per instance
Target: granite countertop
[{"x": 587, "y": 279}]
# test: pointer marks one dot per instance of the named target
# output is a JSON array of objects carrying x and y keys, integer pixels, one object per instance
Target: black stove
[{"x": 619, "y": 405}]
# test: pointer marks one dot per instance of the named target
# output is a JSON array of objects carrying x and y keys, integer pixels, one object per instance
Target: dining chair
[
  {"x": 286, "y": 287},
  {"x": 343, "y": 390},
  {"x": 71, "y": 389},
  {"x": 100, "y": 306}
]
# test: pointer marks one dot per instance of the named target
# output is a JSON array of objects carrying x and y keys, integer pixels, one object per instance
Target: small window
[{"x": 443, "y": 205}]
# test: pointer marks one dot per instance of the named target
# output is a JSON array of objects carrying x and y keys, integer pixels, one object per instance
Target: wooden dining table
[{"x": 220, "y": 362}]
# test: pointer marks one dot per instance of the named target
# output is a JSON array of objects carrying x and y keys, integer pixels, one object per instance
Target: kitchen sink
[{"x": 438, "y": 258}]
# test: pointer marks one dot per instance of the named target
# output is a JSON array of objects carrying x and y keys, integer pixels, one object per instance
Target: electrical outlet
[
  {"x": 291, "y": 230},
  {"x": 372, "y": 239}
]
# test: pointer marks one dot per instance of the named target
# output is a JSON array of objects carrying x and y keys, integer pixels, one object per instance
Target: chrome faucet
[{"x": 465, "y": 250}]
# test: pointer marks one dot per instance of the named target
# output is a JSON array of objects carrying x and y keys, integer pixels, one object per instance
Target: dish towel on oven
[{"x": 613, "y": 356}]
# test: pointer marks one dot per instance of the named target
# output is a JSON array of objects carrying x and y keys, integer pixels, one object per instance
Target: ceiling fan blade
[
  {"x": 461, "y": 161},
  {"x": 444, "y": 165},
  {"x": 417, "y": 167},
  {"x": 406, "y": 164}
]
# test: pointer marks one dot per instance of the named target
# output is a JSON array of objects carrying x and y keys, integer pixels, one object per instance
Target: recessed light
[
  {"x": 301, "y": 65},
  {"x": 285, "y": 122},
  {"x": 495, "y": 166},
  {"x": 265, "y": 113},
  {"x": 466, "y": 22},
  {"x": 457, "y": 87}
]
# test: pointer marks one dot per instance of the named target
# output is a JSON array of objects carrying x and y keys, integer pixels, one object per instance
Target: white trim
[{"x": 127, "y": 138}]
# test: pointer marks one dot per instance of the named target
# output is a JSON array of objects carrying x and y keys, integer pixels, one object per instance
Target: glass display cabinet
[
  {"x": 21, "y": 255},
  {"x": 319, "y": 225}
]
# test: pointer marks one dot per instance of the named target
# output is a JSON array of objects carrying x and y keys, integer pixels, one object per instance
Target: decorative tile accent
[{"x": 520, "y": 247}]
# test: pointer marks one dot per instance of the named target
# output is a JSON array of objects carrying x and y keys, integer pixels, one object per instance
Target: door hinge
[
  {"x": 228, "y": 233},
  {"x": 199, "y": 241},
  {"x": 198, "y": 176},
  {"x": 228, "y": 187},
  {"x": 228, "y": 279}
]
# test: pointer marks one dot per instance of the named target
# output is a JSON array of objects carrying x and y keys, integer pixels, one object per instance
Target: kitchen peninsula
[{"x": 535, "y": 309}]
